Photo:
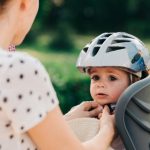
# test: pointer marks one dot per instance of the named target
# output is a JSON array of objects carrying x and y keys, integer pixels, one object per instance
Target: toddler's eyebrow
[{"x": 91, "y": 72}]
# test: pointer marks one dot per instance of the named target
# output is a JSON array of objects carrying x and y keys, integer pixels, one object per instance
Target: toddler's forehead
[{"x": 91, "y": 70}]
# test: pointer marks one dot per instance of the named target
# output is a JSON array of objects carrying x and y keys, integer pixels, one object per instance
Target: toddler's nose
[{"x": 101, "y": 84}]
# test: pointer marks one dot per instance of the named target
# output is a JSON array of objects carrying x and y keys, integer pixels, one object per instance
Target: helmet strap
[{"x": 133, "y": 78}]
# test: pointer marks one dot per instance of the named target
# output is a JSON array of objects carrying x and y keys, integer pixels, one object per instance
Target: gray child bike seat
[{"x": 132, "y": 115}]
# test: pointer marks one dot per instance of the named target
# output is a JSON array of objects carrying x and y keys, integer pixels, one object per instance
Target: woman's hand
[
  {"x": 85, "y": 109},
  {"x": 103, "y": 139},
  {"x": 107, "y": 122},
  {"x": 107, "y": 119}
]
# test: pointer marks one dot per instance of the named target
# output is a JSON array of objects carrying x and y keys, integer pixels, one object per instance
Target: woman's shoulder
[
  {"x": 7, "y": 58},
  {"x": 15, "y": 55},
  {"x": 20, "y": 61}
]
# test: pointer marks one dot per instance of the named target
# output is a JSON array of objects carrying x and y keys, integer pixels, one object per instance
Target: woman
[{"x": 29, "y": 112}]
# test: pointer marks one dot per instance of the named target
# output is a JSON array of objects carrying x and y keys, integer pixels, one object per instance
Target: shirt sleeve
[{"x": 26, "y": 92}]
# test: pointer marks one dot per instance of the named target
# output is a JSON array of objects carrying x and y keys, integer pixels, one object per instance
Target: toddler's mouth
[{"x": 101, "y": 95}]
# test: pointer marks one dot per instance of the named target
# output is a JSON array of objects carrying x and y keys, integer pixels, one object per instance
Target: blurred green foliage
[
  {"x": 86, "y": 16},
  {"x": 62, "y": 41}
]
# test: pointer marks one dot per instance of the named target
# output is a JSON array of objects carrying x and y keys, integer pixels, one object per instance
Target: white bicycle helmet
[{"x": 118, "y": 49}]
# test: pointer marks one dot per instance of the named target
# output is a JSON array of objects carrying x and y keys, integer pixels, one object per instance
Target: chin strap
[{"x": 112, "y": 107}]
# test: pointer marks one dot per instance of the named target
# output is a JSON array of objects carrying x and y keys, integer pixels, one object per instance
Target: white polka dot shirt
[{"x": 26, "y": 96}]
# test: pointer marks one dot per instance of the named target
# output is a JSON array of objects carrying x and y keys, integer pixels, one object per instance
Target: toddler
[{"x": 113, "y": 61}]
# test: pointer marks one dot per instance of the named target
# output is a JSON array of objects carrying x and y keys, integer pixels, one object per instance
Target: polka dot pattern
[{"x": 26, "y": 96}]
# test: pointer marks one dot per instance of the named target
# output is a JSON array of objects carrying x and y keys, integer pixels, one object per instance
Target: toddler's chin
[
  {"x": 100, "y": 102},
  {"x": 104, "y": 102}
]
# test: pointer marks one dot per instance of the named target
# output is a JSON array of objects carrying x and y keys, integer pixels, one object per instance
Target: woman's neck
[
  {"x": 7, "y": 29},
  {"x": 6, "y": 35}
]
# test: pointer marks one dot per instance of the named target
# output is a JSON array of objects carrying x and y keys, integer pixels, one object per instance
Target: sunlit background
[{"x": 63, "y": 27}]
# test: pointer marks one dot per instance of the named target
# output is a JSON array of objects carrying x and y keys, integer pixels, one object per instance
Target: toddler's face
[{"x": 107, "y": 83}]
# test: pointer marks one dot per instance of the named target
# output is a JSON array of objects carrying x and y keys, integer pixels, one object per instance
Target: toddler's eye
[
  {"x": 95, "y": 77},
  {"x": 112, "y": 78}
]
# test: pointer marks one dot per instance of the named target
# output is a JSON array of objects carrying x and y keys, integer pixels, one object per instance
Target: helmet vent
[
  {"x": 85, "y": 49},
  {"x": 114, "y": 48},
  {"x": 95, "y": 50},
  {"x": 101, "y": 41},
  {"x": 125, "y": 36},
  {"x": 120, "y": 41},
  {"x": 107, "y": 35}
]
